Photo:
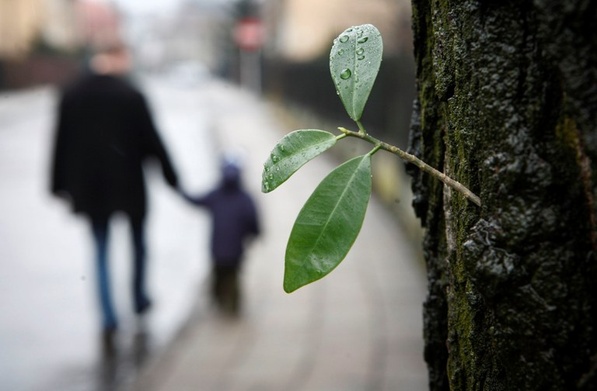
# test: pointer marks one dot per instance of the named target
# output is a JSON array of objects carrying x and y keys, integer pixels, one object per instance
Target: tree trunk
[{"x": 507, "y": 105}]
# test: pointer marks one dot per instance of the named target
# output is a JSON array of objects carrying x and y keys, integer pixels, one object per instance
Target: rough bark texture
[{"x": 507, "y": 104}]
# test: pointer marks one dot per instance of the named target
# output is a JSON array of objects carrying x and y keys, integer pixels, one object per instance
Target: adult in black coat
[
  {"x": 234, "y": 220},
  {"x": 104, "y": 134}
]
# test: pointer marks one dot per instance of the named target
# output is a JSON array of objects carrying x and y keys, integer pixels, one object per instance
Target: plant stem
[
  {"x": 376, "y": 148},
  {"x": 362, "y": 130},
  {"x": 414, "y": 160}
]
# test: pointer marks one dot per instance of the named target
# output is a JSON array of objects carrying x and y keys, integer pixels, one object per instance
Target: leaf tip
[
  {"x": 268, "y": 180},
  {"x": 265, "y": 187},
  {"x": 290, "y": 285}
]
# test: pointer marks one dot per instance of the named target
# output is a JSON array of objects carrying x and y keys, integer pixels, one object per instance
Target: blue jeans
[{"x": 100, "y": 228}]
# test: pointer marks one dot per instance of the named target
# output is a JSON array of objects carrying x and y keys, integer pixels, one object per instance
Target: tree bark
[{"x": 507, "y": 105}]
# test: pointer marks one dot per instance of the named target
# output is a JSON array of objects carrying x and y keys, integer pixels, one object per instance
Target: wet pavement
[{"x": 358, "y": 329}]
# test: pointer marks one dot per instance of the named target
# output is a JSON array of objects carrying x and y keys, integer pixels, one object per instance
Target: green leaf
[
  {"x": 291, "y": 153},
  {"x": 354, "y": 62},
  {"x": 328, "y": 223}
]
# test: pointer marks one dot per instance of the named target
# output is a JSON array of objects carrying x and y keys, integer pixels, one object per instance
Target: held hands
[{"x": 186, "y": 195}]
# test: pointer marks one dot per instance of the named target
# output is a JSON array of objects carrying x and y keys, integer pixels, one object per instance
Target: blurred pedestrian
[
  {"x": 234, "y": 220},
  {"x": 104, "y": 134}
]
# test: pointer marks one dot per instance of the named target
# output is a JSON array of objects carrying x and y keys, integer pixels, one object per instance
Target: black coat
[{"x": 104, "y": 133}]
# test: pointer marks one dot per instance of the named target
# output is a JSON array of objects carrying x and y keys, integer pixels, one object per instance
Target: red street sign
[{"x": 249, "y": 34}]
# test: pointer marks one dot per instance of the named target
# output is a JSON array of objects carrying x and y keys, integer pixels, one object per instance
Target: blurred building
[
  {"x": 20, "y": 24},
  {"x": 24, "y": 27},
  {"x": 43, "y": 41},
  {"x": 302, "y": 30}
]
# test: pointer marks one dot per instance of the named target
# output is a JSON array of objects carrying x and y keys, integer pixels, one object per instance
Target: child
[{"x": 234, "y": 219}]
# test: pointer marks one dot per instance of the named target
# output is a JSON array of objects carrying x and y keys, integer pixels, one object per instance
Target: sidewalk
[{"x": 360, "y": 328}]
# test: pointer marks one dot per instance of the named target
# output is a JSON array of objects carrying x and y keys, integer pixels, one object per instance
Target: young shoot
[{"x": 331, "y": 219}]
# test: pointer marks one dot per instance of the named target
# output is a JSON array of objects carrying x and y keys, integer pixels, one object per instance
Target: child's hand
[{"x": 196, "y": 200}]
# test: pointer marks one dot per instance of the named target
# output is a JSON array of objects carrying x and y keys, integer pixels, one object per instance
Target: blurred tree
[{"x": 507, "y": 104}]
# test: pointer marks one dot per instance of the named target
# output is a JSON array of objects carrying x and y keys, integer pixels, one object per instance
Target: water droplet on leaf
[
  {"x": 360, "y": 51},
  {"x": 363, "y": 40},
  {"x": 344, "y": 38},
  {"x": 345, "y": 74}
]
